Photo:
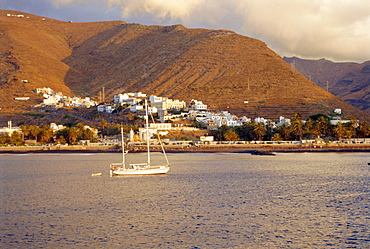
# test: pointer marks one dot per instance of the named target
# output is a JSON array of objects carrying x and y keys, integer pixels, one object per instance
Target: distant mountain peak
[{"x": 219, "y": 67}]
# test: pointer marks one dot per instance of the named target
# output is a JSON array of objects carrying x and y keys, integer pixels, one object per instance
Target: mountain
[
  {"x": 219, "y": 67},
  {"x": 349, "y": 81}
]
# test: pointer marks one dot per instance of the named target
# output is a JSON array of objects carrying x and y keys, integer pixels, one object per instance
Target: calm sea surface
[{"x": 221, "y": 200}]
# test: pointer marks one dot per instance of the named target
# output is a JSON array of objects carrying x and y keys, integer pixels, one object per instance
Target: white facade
[
  {"x": 224, "y": 118},
  {"x": 166, "y": 104},
  {"x": 22, "y": 98},
  {"x": 121, "y": 98},
  {"x": 260, "y": 120},
  {"x": 161, "y": 126},
  {"x": 283, "y": 120},
  {"x": 59, "y": 100},
  {"x": 336, "y": 121},
  {"x": 136, "y": 108},
  {"x": 338, "y": 111},
  {"x": 155, "y": 99},
  {"x": 46, "y": 90},
  {"x": 10, "y": 129},
  {"x": 56, "y": 127},
  {"x": 106, "y": 108},
  {"x": 197, "y": 105}
]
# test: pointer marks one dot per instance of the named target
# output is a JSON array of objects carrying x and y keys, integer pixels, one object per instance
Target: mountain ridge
[
  {"x": 347, "y": 80},
  {"x": 219, "y": 67}
]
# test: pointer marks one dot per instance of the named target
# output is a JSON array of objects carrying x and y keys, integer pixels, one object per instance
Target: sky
[{"x": 338, "y": 30}]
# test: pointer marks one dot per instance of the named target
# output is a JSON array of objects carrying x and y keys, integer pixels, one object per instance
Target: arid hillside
[
  {"x": 349, "y": 81},
  {"x": 225, "y": 70}
]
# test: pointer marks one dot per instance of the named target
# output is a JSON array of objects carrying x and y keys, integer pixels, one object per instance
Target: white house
[
  {"x": 136, "y": 108},
  {"x": 46, "y": 90},
  {"x": 56, "y": 127},
  {"x": 197, "y": 105},
  {"x": 155, "y": 99},
  {"x": 10, "y": 129},
  {"x": 245, "y": 119},
  {"x": 161, "y": 126},
  {"x": 105, "y": 108},
  {"x": 283, "y": 120},
  {"x": 260, "y": 120},
  {"x": 336, "y": 121},
  {"x": 22, "y": 98},
  {"x": 121, "y": 98},
  {"x": 177, "y": 104},
  {"x": 338, "y": 111},
  {"x": 224, "y": 118}
]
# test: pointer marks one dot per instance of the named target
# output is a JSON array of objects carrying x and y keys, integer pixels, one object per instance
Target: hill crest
[{"x": 219, "y": 67}]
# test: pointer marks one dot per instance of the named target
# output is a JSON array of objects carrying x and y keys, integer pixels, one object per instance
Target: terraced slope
[{"x": 219, "y": 67}]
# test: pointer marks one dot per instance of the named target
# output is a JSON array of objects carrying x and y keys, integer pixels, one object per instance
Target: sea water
[{"x": 207, "y": 200}]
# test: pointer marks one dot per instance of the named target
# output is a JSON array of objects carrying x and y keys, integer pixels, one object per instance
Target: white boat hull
[
  {"x": 156, "y": 170},
  {"x": 123, "y": 169}
]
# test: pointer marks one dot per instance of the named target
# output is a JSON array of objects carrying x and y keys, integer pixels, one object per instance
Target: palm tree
[
  {"x": 46, "y": 133},
  {"x": 340, "y": 131},
  {"x": 34, "y": 131},
  {"x": 297, "y": 125},
  {"x": 309, "y": 127},
  {"x": 16, "y": 138},
  {"x": 276, "y": 137},
  {"x": 353, "y": 124},
  {"x": 349, "y": 134},
  {"x": 363, "y": 130},
  {"x": 231, "y": 135},
  {"x": 72, "y": 135},
  {"x": 103, "y": 124},
  {"x": 259, "y": 130},
  {"x": 285, "y": 131},
  {"x": 25, "y": 131},
  {"x": 322, "y": 126}
]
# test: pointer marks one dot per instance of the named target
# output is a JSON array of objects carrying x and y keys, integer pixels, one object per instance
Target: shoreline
[{"x": 255, "y": 149}]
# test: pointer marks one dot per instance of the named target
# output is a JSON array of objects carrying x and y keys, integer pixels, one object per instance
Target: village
[
  {"x": 168, "y": 113},
  {"x": 167, "y": 110}
]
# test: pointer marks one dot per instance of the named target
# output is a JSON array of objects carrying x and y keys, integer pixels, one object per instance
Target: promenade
[{"x": 236, "y": 148}]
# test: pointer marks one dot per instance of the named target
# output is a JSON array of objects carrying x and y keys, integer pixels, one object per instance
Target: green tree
[
  {"x": 276, "y": 137},
  {"x": 284, "y": 131},
  {"x": 363, "y": 130},
  {"x": 340, "y": 131},
  {"x": 103, "y": 124},
  {"x": 270, "y": 131},
  {"x": 34, "y": 131},
  {"x": 259, "y": 130},
  {"x": 16, "y": 138},
  {"x": 231, "y": 135},
  {"x": 245, "y": 131},
  {"x": 46, "y": 134},
  {"x": 4, "y": 139},
  {"x": 309, "y": 128},
  {"x": 353, "y": 124},
  {"x": 349, "y": 134},
  {"x": 72, "y": 135},
  {"x": 297, "y": 126},
  {"x": 322, "y": 126},
  {"x": 25, "y": 131}
]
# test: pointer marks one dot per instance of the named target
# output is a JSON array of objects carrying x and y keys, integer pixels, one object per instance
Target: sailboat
[{"x": 121, "y": 169}]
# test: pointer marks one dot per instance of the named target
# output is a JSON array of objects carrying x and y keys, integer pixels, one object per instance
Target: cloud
[{"x": 334, "y": 29}]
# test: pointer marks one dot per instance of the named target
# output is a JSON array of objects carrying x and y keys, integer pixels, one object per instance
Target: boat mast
[
  {"x": 123, "y": 149},
  {"x": 147, "y": 130}
]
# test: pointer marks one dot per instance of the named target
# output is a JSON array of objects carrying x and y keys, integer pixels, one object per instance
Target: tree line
[
  {"x": 70, "y": 134},
  {"x": 314, "y": 127}
]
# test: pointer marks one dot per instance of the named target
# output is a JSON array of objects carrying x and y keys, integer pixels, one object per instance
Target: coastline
[{"x": 256, "y": 149}]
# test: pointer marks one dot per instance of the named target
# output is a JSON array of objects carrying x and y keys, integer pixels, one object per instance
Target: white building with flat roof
[{"x": 197, "y": 105}]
